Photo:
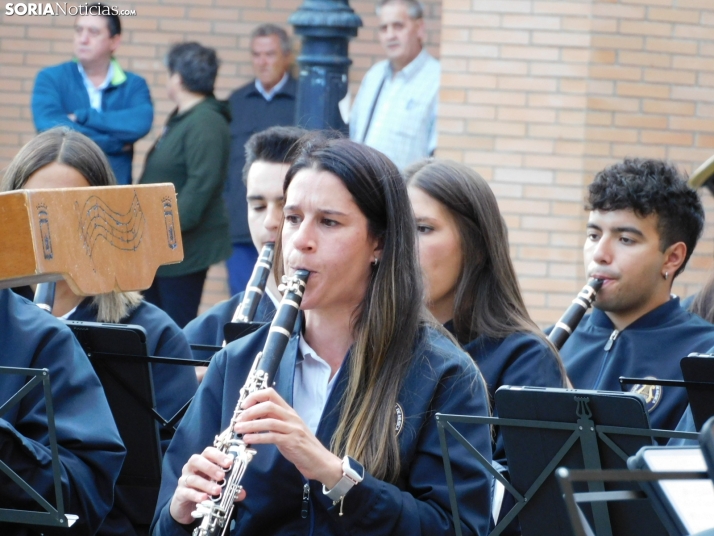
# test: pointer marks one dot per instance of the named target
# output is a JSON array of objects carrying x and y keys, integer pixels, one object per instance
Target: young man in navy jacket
[
  {"x": 643, "y": 226},
  {"x": 92, "y": 94},
  {"x": 268, "y": 155}
]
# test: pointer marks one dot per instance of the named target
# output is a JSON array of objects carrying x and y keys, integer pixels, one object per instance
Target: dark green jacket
[{"x": 193, "y": 153}]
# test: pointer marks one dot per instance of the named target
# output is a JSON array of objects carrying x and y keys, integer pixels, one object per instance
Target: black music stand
[
  {"x": 698, "y": 374},
  {"x": 581, "y": 526},
  {"x": 54, "y": 517},
  {"x": 235, "y": 330},
  {"x": 577, "y": 437},
  {"x": 679, "y": 505},
  {"x": 120, "y": 358},
  {"x": 232, "y": 331},
  {"x": 706, "y": 442}
]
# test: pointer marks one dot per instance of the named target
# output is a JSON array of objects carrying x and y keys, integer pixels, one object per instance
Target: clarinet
[
  {"x": 572, "y": 316},
  {"x": 216, "y": 511},
  {"x": 256, "y": 286},
  {"x": 45, "y": 296}
]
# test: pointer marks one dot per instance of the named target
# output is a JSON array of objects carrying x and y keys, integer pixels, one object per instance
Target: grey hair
[
  {"x": 71, "y": 148},
  {"x": 415, "y": 9},
  {"x": 267, "y": 29}
]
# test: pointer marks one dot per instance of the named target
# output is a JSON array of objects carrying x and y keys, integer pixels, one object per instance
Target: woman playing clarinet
[
  {"x": 346, "y": 442},
  {"x": 471, "y": 283}
]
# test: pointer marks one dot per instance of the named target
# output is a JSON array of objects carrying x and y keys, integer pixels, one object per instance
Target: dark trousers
[{"x": 179, "y": 296}]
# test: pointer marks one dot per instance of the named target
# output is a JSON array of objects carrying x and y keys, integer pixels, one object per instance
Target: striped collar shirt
[{"x": 402, "y": 107}]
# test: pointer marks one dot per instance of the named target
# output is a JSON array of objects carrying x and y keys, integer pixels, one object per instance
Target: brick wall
[
  {"x": 536, "y": 95},
  {"x": 539, "y": 95},
  {"x": 29, "y": 43}
]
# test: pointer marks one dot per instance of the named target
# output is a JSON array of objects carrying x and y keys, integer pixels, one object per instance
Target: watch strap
[{"x": 352, "y": 474}]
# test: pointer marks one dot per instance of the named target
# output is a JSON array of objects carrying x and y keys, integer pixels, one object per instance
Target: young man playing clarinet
[
  {"x": 267, "y": 159},
  {"x": 643, "y": 226}
]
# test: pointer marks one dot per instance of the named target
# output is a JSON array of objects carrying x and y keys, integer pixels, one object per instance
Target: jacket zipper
[
  {"x": 608, "y": 346},
  {"x": 305, "y": 501},
  {"x": 306, "y": 511},
  {"x": 611, "y": 340}
]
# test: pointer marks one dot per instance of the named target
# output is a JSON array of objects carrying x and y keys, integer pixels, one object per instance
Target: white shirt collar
[
  {"x": 412, "y": 67},
  {"x": 95, "y": 92},
  {"x": 104, "y": 84},
  {"x": 268, "y": 95}
]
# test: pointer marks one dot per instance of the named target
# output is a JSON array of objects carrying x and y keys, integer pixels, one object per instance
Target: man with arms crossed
[
  {"x": 92, "y": 94},
  {"x": 643, "y": 226}
]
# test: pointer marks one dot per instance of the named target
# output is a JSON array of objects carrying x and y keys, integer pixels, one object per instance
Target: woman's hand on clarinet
[
  {"x": 268, "y": 419},
  {"x": 198, "y": 481}
]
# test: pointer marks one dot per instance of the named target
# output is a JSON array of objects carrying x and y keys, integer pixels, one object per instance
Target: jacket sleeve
[
  {"x": 47, "y": 113},
  {"x": 128, "y": 124},
  {"x": 90, "y": 450},
  {"x": 375, "y": 507},
  {"x": 196, "y": 432},
  {"x": 206, "y": 149}
]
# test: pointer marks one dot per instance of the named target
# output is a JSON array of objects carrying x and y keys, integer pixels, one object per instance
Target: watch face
[{"x": 356, "y": 467}]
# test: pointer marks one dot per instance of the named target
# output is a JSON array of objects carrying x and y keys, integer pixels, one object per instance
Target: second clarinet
[
  {"x": 256, "y": 286},
  {"x": 572, "y": 316}
]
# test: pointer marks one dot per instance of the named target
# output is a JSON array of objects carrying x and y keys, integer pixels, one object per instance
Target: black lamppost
[{"x": 326, "y": 27}]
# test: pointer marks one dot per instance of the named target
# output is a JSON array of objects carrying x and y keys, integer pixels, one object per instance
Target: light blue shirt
[
  {"x": 268, "y": 95},
  {"x": 94, "y": 92},
  {"x": 403, "y": 124}
]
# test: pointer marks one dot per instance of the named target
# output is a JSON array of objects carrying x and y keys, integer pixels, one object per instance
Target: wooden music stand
[{"x": 98, "y": 239}]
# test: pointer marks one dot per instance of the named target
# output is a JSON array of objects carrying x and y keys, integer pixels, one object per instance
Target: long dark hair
[
  {"x": 385, "y": 325},
  {"x": 488, "y": 299}
]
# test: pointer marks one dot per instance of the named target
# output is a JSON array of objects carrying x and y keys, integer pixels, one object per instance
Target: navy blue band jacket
[
  {"x": 208, "y": 328},
  {"x": 441, "y": 379},
  {"x": 597, "y": 354},
  {"x": 90, "y": 450}
]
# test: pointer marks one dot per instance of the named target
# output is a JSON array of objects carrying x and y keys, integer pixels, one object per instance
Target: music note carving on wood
[
  {"x": 121, "y": 230},
  {"x": 99, "y": 239}
]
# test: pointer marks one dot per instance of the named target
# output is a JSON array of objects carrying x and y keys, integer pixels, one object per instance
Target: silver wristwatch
[{"x": 352, "y": 474}]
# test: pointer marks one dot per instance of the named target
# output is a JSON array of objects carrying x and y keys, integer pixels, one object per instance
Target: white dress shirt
[
  {"x": 95, "y": 92},
  {"x": 312, "y": 385},
  {"x": 403, "y": 124}
]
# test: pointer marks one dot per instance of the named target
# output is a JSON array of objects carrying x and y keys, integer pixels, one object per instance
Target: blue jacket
[
  {"x": 519, "y": 359},
  {"x": 126, "y": 116},
  {"x": 208, "y": 328},
  {"x": 90, "y": 450},
  {"x": 441, "y": 379},
  {"x": 652, "y": 346},
  {"x": 174, "y": 385}
]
